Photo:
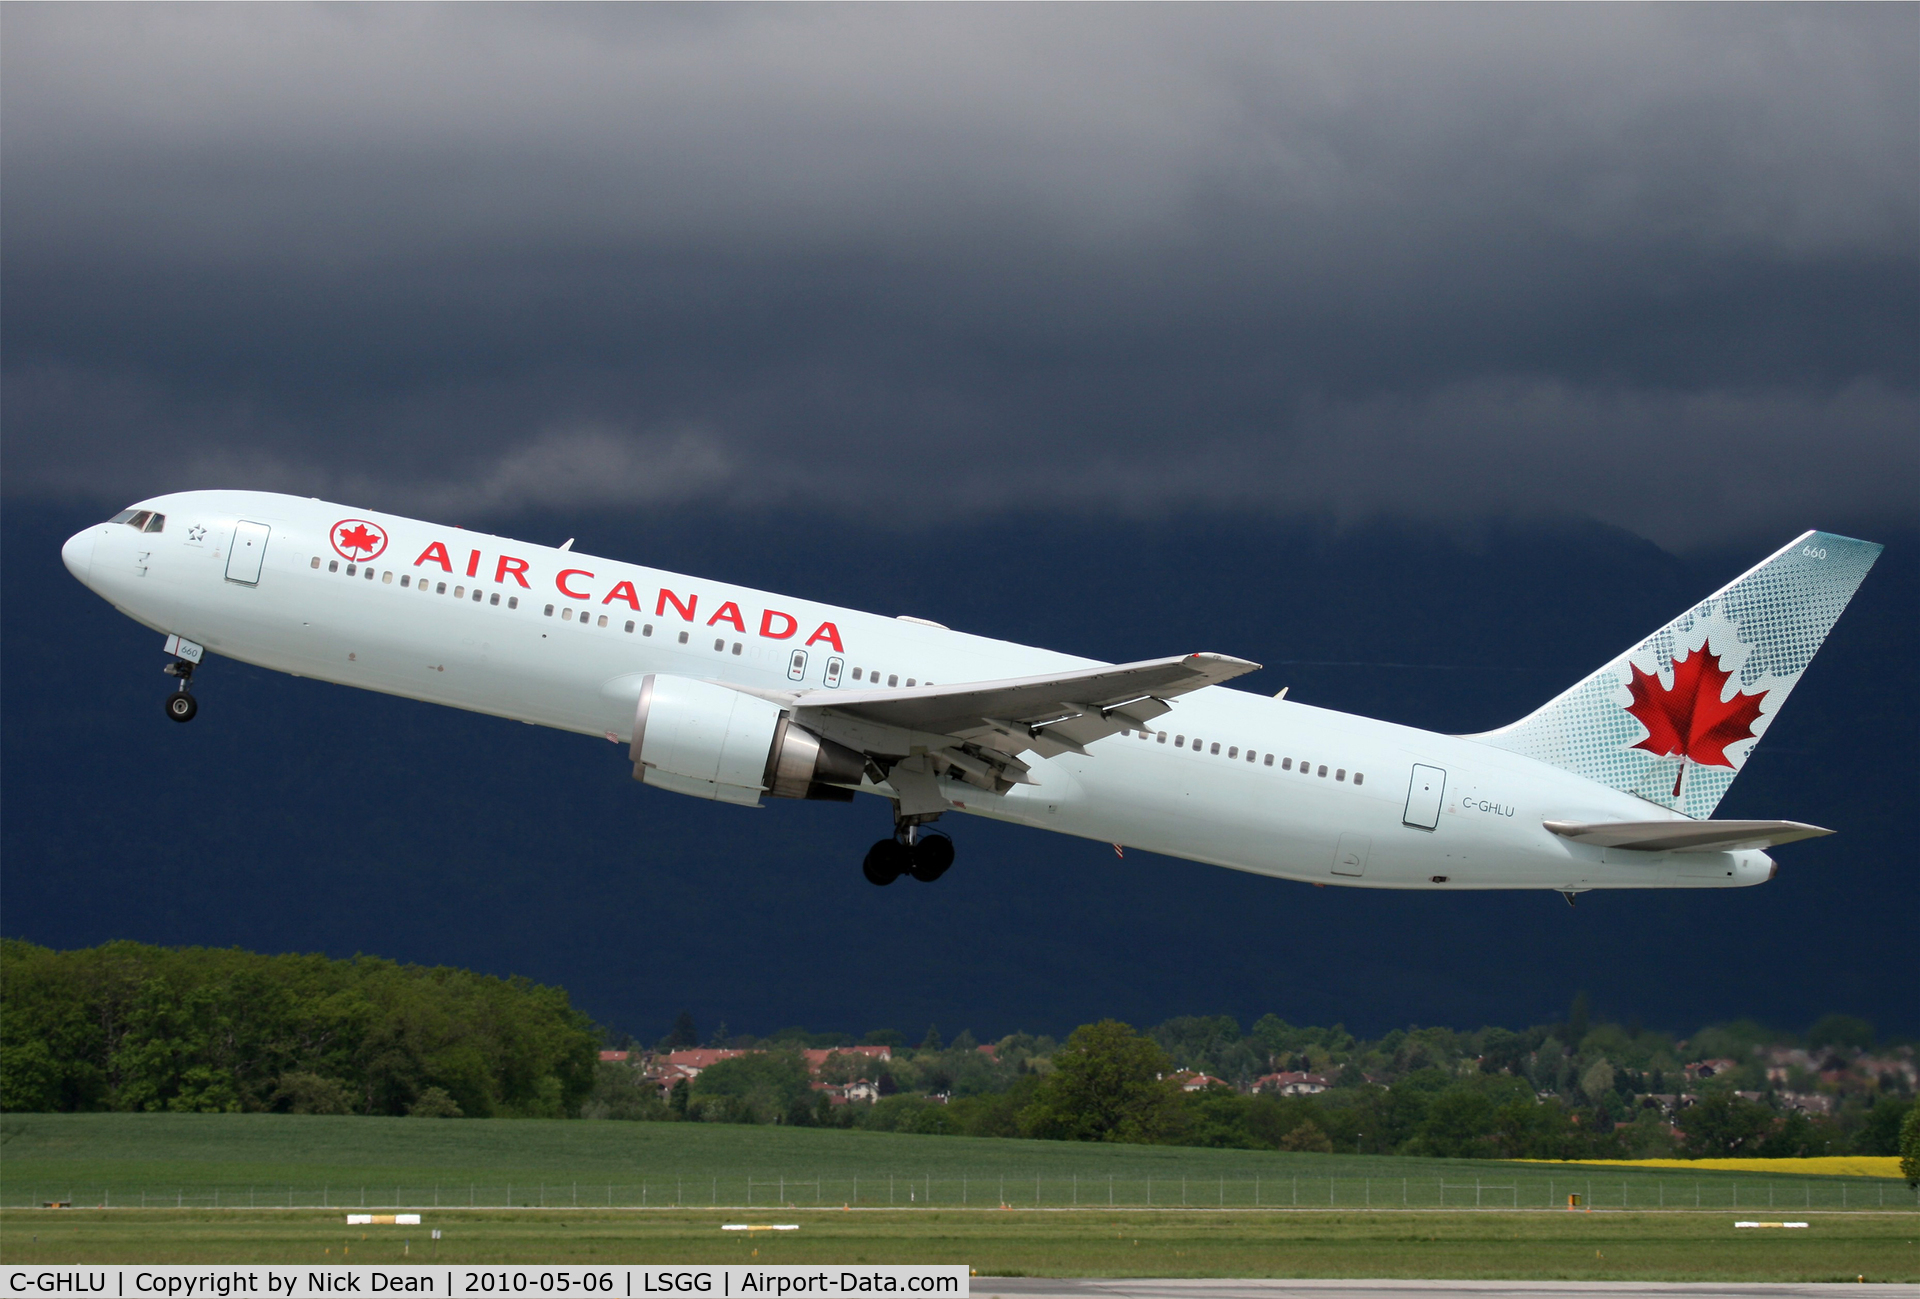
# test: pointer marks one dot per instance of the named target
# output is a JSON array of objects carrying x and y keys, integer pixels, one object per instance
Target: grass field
[
  {"x": 251, "y": 1188},
  {"x": 1539, "y": 1245}
]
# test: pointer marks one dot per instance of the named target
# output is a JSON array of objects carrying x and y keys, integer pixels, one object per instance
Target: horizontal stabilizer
[{"x": 1684, "y": 836}]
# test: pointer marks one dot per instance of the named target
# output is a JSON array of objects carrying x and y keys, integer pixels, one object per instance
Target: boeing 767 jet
[{"x": 721, "y": 692}]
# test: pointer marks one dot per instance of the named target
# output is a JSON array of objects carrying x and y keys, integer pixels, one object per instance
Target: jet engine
[{"x": 694, "y": 737}]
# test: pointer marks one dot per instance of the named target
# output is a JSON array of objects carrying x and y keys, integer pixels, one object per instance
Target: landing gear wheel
[
  {"x": 886, "y": 862},
  {"x": 181, "y": 706},
  {"x": 932, "y": 854}
]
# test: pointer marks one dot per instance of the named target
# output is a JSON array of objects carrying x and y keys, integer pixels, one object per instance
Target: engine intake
[{"x": 709, "y": 741}]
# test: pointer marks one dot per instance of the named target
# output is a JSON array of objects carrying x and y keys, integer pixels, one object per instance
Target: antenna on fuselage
[{"x": 568, "y": 544}]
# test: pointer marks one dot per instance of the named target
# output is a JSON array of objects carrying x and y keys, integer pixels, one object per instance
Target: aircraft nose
[{"x": 77, "y": 554}]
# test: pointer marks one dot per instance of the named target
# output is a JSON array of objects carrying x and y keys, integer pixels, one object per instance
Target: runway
[{"x": 1024, "y": 1287}]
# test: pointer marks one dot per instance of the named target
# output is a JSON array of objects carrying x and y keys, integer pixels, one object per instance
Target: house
[
  {"x": 1197, "y": 1082},
  {"x": 1708, "y": 1068},
  {"x": 694, "y": 1059},
  {"x": 1291, "y": 1083},
  {"x": 848, "y": 1093},
  {"x": 614, "y": 1057},
  {"x": 817, "y": 1058}
]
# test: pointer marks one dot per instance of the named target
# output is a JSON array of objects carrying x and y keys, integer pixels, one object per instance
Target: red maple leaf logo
[
  {"x": 1689, "y": 719},
  {"x": 356, "y": 539}
]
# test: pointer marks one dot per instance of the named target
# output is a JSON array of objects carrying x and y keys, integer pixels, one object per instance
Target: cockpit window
[
  {"x": 156, "y": 523},
  {"x": 125, "y": 516},
  {"x": 138, "y": 519}
]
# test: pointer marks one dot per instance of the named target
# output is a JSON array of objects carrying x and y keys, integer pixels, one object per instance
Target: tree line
[{"x": 126, "y": 1026}]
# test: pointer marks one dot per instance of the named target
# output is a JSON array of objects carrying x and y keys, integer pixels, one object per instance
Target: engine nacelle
[{"x": 694, "y": 737}]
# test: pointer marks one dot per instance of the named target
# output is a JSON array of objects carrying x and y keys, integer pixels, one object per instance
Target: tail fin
[{"x": 1674, "y": 718}]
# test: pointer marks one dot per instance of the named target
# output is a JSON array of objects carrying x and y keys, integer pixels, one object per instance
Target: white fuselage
[{"x": 558, "y": 638}]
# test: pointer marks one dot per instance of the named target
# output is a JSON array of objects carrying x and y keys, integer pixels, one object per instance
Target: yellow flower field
[{"x": 1828, "y": 1165}]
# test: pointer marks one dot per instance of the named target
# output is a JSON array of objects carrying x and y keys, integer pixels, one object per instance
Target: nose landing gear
[
  {"x": 911, "y": 851},
  {"x": 181, "y": 706}
]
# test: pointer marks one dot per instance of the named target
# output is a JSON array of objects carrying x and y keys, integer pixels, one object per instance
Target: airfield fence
[{"x": 1501, "y": 1191}]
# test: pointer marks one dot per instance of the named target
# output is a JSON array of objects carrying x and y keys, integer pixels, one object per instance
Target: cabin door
[
  {"x": 1424, "y": 795},
  {"x": 244, "y": 555}
]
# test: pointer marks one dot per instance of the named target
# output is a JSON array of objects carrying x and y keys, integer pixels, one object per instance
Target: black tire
[
  {"x": 931, "y": 857},
  {"x": 886, "y": 862},
  {"x": 181, "y": 706}
]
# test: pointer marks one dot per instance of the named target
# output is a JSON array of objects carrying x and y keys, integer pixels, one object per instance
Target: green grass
[
  {"x": 269, "y": 1160},
  {"x": 1540, "y": 1245}
]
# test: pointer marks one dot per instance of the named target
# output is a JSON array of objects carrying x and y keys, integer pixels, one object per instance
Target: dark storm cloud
[{"x": 1654, "y": 264}]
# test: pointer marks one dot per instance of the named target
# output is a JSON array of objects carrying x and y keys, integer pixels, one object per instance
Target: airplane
[{"x": 736, "y": 695}]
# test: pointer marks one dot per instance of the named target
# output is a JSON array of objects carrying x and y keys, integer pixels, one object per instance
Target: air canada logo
[
  {"x": 356, "y": 539},
  {"x": 1689, "y": 720}
]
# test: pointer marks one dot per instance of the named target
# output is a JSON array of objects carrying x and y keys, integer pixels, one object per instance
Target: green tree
[
  {"x": 1723, "y": 1125},
  {"x": 1307, "y": 1138},
  {"x": 1108, "y": 1084},
  {"x": 1841, "y": 1031},
  {"x": 683, "y": 1033},
  {"x": 1910, "y": 1147},
  {"x": 763, "y": 1087}
]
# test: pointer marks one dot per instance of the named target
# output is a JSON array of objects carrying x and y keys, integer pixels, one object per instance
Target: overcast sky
[{"x": 1657, "y": 265}]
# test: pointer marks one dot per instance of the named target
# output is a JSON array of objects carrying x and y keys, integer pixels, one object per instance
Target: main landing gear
[
  {"x": 181, "y": 705},
  {"x": 911, "y": 851}
]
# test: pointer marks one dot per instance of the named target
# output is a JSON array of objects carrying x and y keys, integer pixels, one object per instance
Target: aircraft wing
[
  {"x": 984, "y": 723},
  {"x": 1684, "y": 836}
]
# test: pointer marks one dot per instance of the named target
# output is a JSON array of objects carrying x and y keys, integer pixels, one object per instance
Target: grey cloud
[{"x": 1651, "y": 263}]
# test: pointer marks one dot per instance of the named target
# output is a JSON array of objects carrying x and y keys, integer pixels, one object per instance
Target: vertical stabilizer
[{"x": 1674, "y": 718}]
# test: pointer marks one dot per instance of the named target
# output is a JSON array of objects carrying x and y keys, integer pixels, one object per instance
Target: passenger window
[
  {"x": 494, "y": 599},
  {"x": 1251, "y": 755},
  {"x": 629, "y": 627},
  {"x": 566, "y": 615},
  {"x": 333, "y": 566},
  {"x": 1162, "y": 739},
  {"x": 459, "y": 592},
  {"x": 893, "y": 680},
  {"x": 1359, "y": 779},
  {"x": 549, "y": 611},
  {"x": 736, "y": 649},
  {"x": 1215, "y": 748},
  {"x": 1269, "y": 761},
  {"x": 370, "y": 575},
  {"x": 386, "y": 578},
  {"x": 909, "y": 681},
  {"x": 1146, "y": 735},
  {"x": 683, "y": 638},
  {"x": 647, "y": 630},
  {"x": 513, "y": 602},
  {"x": 856, "y": 674},
  {"x": 1286, "y": 764},
  {"x": 1341, "y": 774},
  {"x": 603, "y": 620},
  {"x": 1234, "y": 752},
  {"x": 315, "y": 563},
  {"x": 719, "y": 645},
  {"x": 439, "y": 588},
  {"x": 158, "y": 523},
  {"x": 1179, "y": 741},
  {"x": 1323, "y": 770},
  {"x": 476, "y": 596},
  {"x": 405, "y": 580}
]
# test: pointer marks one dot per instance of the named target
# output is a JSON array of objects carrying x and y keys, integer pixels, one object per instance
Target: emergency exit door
[
  {"x": 1424, "y": 795},
  {"x": 244, "y": 555}
]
